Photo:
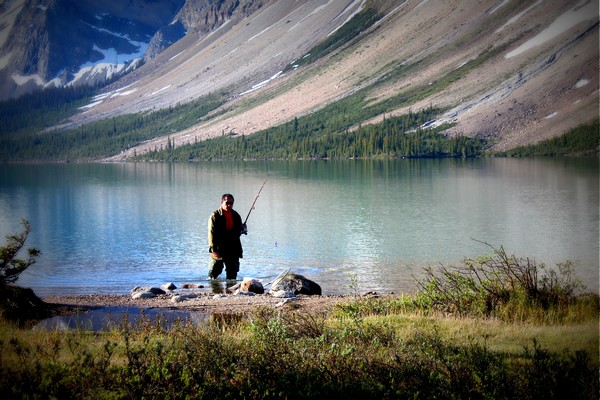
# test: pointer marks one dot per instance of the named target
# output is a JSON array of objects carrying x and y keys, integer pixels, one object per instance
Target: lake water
[{"x": 365, "y": 225}]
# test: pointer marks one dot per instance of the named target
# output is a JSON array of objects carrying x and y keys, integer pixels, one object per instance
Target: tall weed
[{"x": 507, "y": 287}]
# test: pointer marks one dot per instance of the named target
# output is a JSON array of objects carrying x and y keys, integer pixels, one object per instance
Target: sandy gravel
[{"x": 223, "y": 303}]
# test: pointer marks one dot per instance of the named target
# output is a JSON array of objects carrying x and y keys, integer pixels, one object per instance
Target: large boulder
[
  {"x": 252, "y": 285},
  {"x": 296, "y": 284}
]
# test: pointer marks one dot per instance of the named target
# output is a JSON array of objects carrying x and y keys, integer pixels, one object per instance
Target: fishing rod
[{"x": 256, "y": 198}]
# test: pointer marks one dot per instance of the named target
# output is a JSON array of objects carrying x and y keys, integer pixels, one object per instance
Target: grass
[
  {"x": 296, "y": 355},
  {"x": 395, "y": 346},
  {"x": 496, "y": 335}
]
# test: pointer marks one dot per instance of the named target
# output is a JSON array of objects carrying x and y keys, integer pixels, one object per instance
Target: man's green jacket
[{"x": 226, "y": 243}]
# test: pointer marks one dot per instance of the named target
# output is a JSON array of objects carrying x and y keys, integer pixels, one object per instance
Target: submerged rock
[{"x": 191, "y": 286}]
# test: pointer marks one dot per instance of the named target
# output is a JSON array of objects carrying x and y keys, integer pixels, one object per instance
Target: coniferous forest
[
  {"x": 334, "y": 132},
  {"x": 309, "y": 138},
  {"x": 29, "y": 125}
]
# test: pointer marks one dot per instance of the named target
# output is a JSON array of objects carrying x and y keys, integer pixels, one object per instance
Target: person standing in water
[{"x": 224, "y": 230}]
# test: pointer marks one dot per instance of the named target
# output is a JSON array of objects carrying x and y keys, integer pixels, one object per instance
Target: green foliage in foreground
[
  {"x": 582, "y": 140},
  {"x": 281, "y": 358},
  {"x": 291, "y": 355},
  {"x": 356, "y": 351},
  {"x": 11, "y": 266}
]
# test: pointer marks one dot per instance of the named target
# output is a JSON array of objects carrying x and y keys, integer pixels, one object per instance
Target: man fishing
[
  {"x": 224, "y": 230},
  {"x": 225, "y": 227}
]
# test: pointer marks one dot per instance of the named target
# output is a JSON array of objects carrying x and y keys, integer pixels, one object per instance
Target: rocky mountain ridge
[
  {"x": 64, "y": 42},
  {"x": 57, "y": 43},
  {"x": 200, "y": 18},
  {"x": 513, "y": 71}
]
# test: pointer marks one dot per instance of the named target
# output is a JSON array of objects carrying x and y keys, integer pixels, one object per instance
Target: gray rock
[
  {"x": 145, "y": 292},
  {"x": 244, "y": 293},
  {"x": 296, "y": 284},
  {"x": 142, "y": 295},
  {"x": 252, "y": 285},
  {"x": 282, "y": 294},
  {"x": 183, "y": 297},
  {"x": 150, "y": 289}
]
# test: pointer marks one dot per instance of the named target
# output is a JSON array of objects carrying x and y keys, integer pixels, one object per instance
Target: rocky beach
[
  {"x": 289, "y": 290},
  {"x": 213, "y": 303}
]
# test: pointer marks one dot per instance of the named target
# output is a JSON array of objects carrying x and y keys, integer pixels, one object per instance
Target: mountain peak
[{"x": 514, "y": 72}]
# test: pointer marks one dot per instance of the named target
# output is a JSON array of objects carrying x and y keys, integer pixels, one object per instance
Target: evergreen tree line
[
  {"x": 582, "y": 140},
  {"x": 105, "y": 137},
  {"x": 323, "y": 134},
  {"x": 310, "y": 138},
  {"x": 33, "y": 112}
]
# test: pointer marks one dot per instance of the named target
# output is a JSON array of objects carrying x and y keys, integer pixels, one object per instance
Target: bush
[
  {"x": 18, "y": 304},
  {"x": 500, "y": 285},
  {"x": 10, "y": 266},
  {"x": 271, "y": 359}
]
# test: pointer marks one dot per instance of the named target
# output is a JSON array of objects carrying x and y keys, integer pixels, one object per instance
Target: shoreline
[{"x": 207, "y": 302}]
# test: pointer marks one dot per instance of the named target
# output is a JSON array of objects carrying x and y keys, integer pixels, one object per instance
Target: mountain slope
[
  {"x": 513, "y": 71},
  {"x": 64, "y": 42}
]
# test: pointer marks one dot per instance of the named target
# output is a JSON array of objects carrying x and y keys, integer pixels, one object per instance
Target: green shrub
[
  {"x": 10, "y": 265},
  {"x": 509, "y": 287},
  {"x": 273, "y": 358},
  {"x": 18, "y": 304}
]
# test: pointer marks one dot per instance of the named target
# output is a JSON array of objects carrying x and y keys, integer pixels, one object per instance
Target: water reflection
[
  {"x": 109, "y": 228},
  {"x": 219, "y": 286}
]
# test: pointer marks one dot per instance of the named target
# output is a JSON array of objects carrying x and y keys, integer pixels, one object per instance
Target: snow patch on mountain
[
  {"x": 160, "y": 90},
  {"x": 5, "y": 60},
  {"x": 499, "y": 6},
  {"x": 583, "y": 11},
  {"x": 22, "y": 79},
  {"x": 518, "y": 16},
  {"x": 349, "y": 17},
  {"x": 262, "y": 84}
]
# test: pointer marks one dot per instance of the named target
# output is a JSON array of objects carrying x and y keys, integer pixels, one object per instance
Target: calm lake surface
[{"x": 370, "y": 225}]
